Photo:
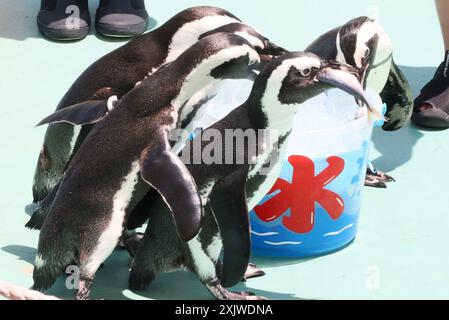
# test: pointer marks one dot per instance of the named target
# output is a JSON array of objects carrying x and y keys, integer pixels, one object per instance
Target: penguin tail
[
  {"x": 140, "y": 278},
  {"x": 142, "y": 272},
  {"x": 40, "y": 214},
  {"x": 38, "y": 218},
  {"x": 48, "y": 267}
]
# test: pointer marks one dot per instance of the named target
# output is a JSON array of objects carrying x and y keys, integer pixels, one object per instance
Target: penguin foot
[
  {"x": 252, "y": 272},
  {"x": 245, "y": 296},
  {"x": 131, "y": 242},
  {"x": 377, "y": 179},
  {"x": 83, "y": 291},
  {"x": 221, "y": 293}
]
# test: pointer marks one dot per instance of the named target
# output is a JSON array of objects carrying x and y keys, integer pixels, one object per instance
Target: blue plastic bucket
[{"x": 314, "y": 206}]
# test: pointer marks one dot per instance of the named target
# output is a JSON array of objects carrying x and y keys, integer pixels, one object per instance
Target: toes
[
  {"x": 244, "y": 296},
  {"x": 388, "y": 178},
  {"x": 378, "y": 179},
  {"x": 245, "y": 293},
  {"x": 375, "y": 184},
  {"x": 256, "y": 298}
]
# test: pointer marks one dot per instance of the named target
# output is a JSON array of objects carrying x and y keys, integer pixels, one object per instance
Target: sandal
[
  {"x": 121, "y": 18},
  {"x": 432, "y": 105},
  {"x": 64, "y": 19}
]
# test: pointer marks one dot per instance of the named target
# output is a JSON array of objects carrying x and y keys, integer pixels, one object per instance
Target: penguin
[
  {"x": 266, "y": 50},
  {"x": 126, "y": 153},
  {"x": 228, "y": 189},
  {"x": 362, "y": 43},
  {"x": 116, "y": 73}
]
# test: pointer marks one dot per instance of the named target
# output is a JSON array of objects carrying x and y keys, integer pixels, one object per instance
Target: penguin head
[
  {"x": 363, "y": 43},
  {"x": 184, "y": 29},
  {"x": 214, "y": 58},
  {"x": 266, "y": 49},
  {"x": 224, "y": 56},
  {"x": 296, "y": 77}
]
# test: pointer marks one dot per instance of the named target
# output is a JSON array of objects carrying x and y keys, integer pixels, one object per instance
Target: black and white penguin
[
  {"x": 228, "y": 188},
  {"x": 266, "y": 50},
  {"x": 118, "y": 72},
  {"x": 363, "y": 43},
  {"x": 194, "y": 108},
  {"x": 102, "y": 182}
]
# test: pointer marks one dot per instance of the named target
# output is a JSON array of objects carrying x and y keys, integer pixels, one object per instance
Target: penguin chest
[
  {"x": 112, "y": 232},
  {"x": 378, "y": 75},
  {"x": 265, "y": 172},
  {"x": 205, "y": 251}
]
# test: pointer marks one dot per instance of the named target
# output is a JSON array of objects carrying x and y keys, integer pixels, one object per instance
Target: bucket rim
[{"x": 359, "y": 124}]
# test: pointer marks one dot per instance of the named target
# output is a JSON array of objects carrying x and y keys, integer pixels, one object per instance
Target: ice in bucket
[{"x": 314, "y": 206}]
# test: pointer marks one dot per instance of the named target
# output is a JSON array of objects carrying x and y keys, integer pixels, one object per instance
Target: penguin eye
[
  {"x": 305, "y": 72},
  {"x": 367, "y": 53}
]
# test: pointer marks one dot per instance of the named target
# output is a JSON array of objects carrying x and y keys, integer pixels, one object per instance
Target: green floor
[{"x": 401, "y": 248}]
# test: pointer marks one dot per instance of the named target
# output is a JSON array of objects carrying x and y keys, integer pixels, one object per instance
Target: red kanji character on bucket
[{"x": 300, "y": 195}]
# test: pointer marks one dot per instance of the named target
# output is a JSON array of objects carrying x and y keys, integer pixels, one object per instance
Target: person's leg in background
[
  {"x": 70, "y": 19},
  {"x": 432, "y": 105},
  {"x": 443, "y": 15}
]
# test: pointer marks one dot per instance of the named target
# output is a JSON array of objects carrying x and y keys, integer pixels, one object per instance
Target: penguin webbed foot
[
  {"x": 253, "y": 272},
  {"x": 377, "y": 179},
  {"x": 83, "y": 292},
  {"x": 220, "y": 293}
]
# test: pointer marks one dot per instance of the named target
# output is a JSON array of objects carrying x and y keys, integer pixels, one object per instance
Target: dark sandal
[
  {"x": 121, "y": 18},
  {"x": 436, "y": 95},
  {"x": 56, "y": 20}
]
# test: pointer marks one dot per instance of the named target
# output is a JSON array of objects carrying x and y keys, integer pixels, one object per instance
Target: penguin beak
[
  {"x": 345, "y": 78},
  {"x": 362, "y": 75}
]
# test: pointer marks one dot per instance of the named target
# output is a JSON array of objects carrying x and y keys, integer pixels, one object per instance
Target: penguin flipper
[
  {"x": 40, "y": 214},
  {"x": 397, "y": 95},
  {"x": 229, "y": 206},
  {"x": 88, "y": 112},
  {"x": 325, "y": 45},
  {"x": 165, "y": 172}
]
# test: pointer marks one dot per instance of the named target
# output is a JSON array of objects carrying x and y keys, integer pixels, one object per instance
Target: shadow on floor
[
  {"x": 111, "y": 281},
  {"x": 417, "y": 76},
  {"x": 30, "y": 208},
  {"x": 18, "y": 20},
  {"x": 24, "y": 253},
  {"x": 396, "y": 147},
  {"x": 186, "y": 286}
]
